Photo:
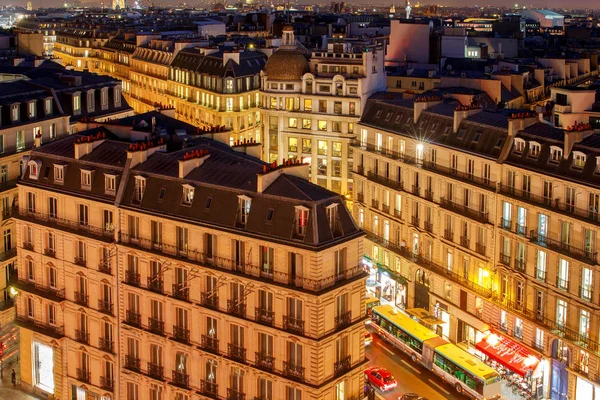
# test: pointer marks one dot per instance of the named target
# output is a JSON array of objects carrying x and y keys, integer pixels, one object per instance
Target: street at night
[{"x": 412, "y": 378}]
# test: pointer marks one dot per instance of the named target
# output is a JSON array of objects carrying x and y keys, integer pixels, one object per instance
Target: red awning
[{"x": 508, "y": 353}]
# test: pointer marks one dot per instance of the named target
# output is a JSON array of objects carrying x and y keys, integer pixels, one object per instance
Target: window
[
  {"x": 555, "y": 154},
  {"x": 292, "y": 144},
  {"x": 140, "y": 186},
  {"x": 76, "y": 102},
  {"x": 307, "y": 104},
  {"x": 110, "y": 183},
  {"x": 59, "y": 173},
  {"x": 31, "y": 202},
  {"x": 83, "y": 215},
  {"x": 267, "y": 261},
  {"x": 52, "y": 207},
  {"x": 86, "y": 179},
  {"x": 293, "y": 122},
  {"x": 34, "y": 169},
  {"x": 322, "y": 125},
  {"x": 301, "y": 220},
  {"x": 322, "y": 147},
  {"x": 188, "y": 195},
  {"x": 244, "y": 203},
  {"x": 306, "y": 123},
  {"x": 48, "y": 106},
  {"x": 14, "y": 112},
  {"x": 519, "y": 146},
  {"x": 561, "y": 312},
  {"x": 534, "y": 149},
  {"x": 332, "y": 215},
  {"x": 31, "y": 109}
]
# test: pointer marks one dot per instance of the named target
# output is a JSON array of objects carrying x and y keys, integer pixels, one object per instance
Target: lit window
[
  {"x": 322, "y": 147},
  {"x": 293, "y": 122},
  {"x": 332, "y": 215},
  {"x": 34, "y": 169},
  {"x": 188, "y": 194},
  {"x": 48, "y": 106},
  {"x": 534, "y": 149},
  {"x": 15, "y": 112},
  {"x": 519, "y": 146},
  {"x": 322, "y": 125},
  {"x": 76, "y": 102},
  {"x": 578, "y": 160},
  {"x": 244, "y": 209},
  {"x": 31, "y": 109},
  {"x": 555, "y": 154},
  {"x": 110, "y": 183},
  {"x": 140, "y": 186},
  {"x": 301, "y": 220},
  {"x": 86, "y": 179}
]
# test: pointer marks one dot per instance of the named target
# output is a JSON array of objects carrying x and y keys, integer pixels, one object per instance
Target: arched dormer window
[
  {"x": 534, "y": 149},
  {"x": 519, "y": 146},
  {"x": 556, "y": 154},
  {"x": 34, "y": 169}
]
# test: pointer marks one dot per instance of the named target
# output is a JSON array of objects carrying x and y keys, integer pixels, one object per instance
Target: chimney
[
  {"x": 191, "y": 160},
  {"x": 140, "y": 151},
  {"x": 422, "y": 103},
  {"x": 516, "y": 122},
  {"x": 463, "y": 112},
  {"x": 250, "y": 147},
  {"x": 86, "y": 144},
  {"x": 273, "y": 171},
  {"x": 575, "y": 134}
]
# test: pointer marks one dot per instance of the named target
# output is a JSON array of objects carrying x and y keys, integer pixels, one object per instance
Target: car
[
  {"x": 380, "y": 378},
  {"x": 368, "y": 338}
]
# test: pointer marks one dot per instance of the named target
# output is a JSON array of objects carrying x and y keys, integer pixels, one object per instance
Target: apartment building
[
  {"x": 488, "y": 221},
  {"x": 310, "y": 107},
  {"x": 115, "y": 59},
  {"x": 147, "y": 272},
  {"x": 218, "y": 86},
  {"x": 78, "y": 46}
]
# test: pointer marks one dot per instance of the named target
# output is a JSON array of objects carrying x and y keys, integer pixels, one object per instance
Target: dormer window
[
  {"x": 110, "y": 183},
  {"x": 555, "y": 154},
  {"x": 59, "y": 173},
  {"x": 90, "y": 100},
  {"x": 244, "y": 203},
  {"x": 139, "y": 188},
  {"x": 519, "y": 146},
  {"x": 188, "y": 195},
  {"x": 14, "y": 112},
  {"x": 332, "y": 215},
  {"x": 534, "y": 149},
  {"x": 104, "y": 98},
  {"x": 117, "y": 93},
  {"x": 76, "y": 103},
  {"x": 31, "y": 109},
  {"x": 301, "y": 220},
  {"x": 578, "y": 160},
  {"x": 86, "y": 179},
  {"x": 597, "y": 170},
  {"x": 48, "y": 106},
  {"x": 34, "y": 169}
]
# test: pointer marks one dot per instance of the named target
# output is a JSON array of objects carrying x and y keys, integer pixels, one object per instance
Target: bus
[
  {"x": 469, "y": 375},
  {"x": 371, "y": 302}
]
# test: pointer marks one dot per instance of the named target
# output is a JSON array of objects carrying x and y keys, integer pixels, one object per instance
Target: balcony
[
  {"x": 156, "y": 326},
  {"x": 392, "y": 184},
  {"x": 155, "y": 371},
  {"x": 375, "y": 203},
  {"x": 106, "y": 345},
  {"x": 428, "y": 226},
  {"x": 132, "y": 278},
  {"x": 562, "y": 284},
  {"x": 228, "y": 265},
  {"x": 448, "y": 234},
  {"x": 236, "y": 307},
  {"x": 293, "y": 371},
  {"x": 564, "y": 248},
  {"x": 74, "y": 226},
  {"x": 39, "y": 289},
  {"x": 155, "y": 284},
  {"x": 591, "y": 215},
  {"x": 343, "y": 320},
  {"x": 360, "y": 197},
  {"x": 233, "y": 394},
  {"x": 293, "y": 325},
  {"x": 105, "y": 268},
  {"x": 415, "y": 221},
  {"x": 342, "y": 366},
  {"x": 80, "y": 261},
  {"x": 479, "y": 216},
  {"x": 264, "y": 316},
  {"x": 83, "y": 375},
  {"x": 105, "y": 307},
  {"x": 107, "y": 383},
  {"x": 504, "y": 259},
  {"x": 385, "y": 208},
  {"x": 28, "y": 246},
  {"x": 236, "y": 352},
  {"x": 181, "y": 292},
  {"x": 586, "y": 292},
  {"x": 210, "y": 300},
  {"x": 465, "y": 242},
  {"x": 480, "y": 248},
  {"x": 429, "y": 194},
  {"x": 81, "y": 298},
  {"x": 563, "y": 109},
  {"x": 132, "y": 363},
  {"x": 540, "y": 275},
  {"x": 133, "y": 318},
  {"x": 521, "y": 229},
  {"x": 209, "y": 389},
  {"x": 82, "y": 336},
  {"x": 210, "y": 344},
  {"x": 520, "y": 265},
  {"x": 181, "y": 379},
  {"x": 506, "y": 224},
  {"x": 397, "y": 213},
  {"x": 50, "y": 252},
  {"x": 56, "y": 332},
  {"x": 181, "y": 334},
  {"x": 416, "y": 190},
  {"x": 264, "y": 361}
]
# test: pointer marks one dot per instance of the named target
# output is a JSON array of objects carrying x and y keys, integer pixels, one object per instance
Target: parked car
[{"x": 380, "y": 378}]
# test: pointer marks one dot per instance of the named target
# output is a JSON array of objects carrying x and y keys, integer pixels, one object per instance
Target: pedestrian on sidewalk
[{"x": 13, "y": 377}]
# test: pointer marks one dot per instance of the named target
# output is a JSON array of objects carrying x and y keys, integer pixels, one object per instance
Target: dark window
[
  {"x": 208, "y": 203},
  {"x": 161, "y": 194},
  {"x": 270, "y": 213}
]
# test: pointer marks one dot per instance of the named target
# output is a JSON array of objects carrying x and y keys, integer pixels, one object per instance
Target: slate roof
[{"x": 251, "y": 63}]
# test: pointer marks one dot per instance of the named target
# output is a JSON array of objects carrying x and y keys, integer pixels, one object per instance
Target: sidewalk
[{"x": 9, "y": 392}]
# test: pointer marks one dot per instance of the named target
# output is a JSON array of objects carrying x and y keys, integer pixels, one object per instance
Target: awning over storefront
[{"x": 507, "y": 352}]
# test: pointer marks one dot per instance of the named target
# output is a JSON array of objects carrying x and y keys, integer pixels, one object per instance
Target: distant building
[
  {"x": 546, "y": 18},
  {"x": 409, "y": 42}
]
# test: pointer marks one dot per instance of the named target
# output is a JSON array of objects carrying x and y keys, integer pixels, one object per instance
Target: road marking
[
  {"x": 438, "y": 386},
  {"x": 411, "y": 367},
  {"x": 379, "y": 396},
  {"x": 386, "y": 349}
]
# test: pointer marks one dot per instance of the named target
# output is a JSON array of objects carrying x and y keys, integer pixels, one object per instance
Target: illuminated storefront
[
  {"x": 386, "y": 285},
  {"x": 43, "y": 367}
]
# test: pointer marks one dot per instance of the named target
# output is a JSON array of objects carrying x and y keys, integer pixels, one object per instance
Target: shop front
[
  {"x": 521, "y": 369},
  {"x": 386, "y": 285},
  {"x": 561, "y": 356},
  {"x": 586, "y": 390}
]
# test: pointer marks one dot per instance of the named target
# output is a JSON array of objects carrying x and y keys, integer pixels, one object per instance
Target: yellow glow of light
[
  {"x": 420, "y": 147},
  {"x": 492, "y": 340},
  {"x": 13, "y": 292},
  {"x": 530, "y": 360}
]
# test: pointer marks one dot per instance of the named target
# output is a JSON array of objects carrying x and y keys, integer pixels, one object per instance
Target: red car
[{"x": 380, "y": 378}]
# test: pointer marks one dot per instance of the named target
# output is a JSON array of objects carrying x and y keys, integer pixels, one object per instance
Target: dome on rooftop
[{"x": 286, "y": 65}]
